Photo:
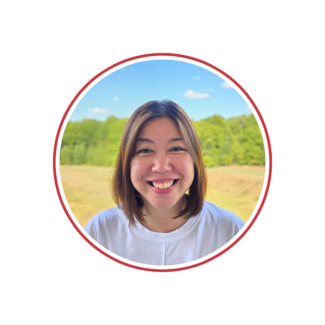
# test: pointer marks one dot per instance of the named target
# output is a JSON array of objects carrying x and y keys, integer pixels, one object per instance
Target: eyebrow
[{"x": 149, "y": 140}]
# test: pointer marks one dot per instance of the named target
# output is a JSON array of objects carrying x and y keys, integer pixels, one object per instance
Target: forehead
[{"x": 160, "y": 127}]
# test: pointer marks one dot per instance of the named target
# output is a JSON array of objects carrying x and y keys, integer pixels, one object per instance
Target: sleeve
[
  {"x": 91, "y": 227},
  {"x": 239, "y": 224}
]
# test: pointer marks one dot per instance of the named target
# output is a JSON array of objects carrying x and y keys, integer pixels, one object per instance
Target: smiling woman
[
  {"x": 162, "y": 170},
  {"x": 156, "y": 222}
]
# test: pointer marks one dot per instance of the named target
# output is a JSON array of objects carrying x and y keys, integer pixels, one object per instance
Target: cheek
[
  {"x": 186, "y": 167},
  {"x": 137, "y": 171}
]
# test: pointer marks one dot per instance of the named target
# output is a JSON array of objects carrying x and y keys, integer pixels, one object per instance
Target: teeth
[{"x": 161, "y": 185}]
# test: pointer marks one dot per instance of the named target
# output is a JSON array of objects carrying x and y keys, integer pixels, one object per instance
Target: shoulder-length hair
[{"x": 124, "y": 193}]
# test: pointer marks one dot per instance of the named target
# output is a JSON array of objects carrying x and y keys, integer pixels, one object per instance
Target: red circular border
[{"x": 193, "y": 59}]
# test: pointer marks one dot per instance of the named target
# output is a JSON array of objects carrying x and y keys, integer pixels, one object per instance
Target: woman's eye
[
  {"x": 144, "y": 151},
  {"x": 177, "y": 149}
]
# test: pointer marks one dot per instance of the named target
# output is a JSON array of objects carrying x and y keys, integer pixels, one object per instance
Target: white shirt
[{"x": 201, "y": 235}]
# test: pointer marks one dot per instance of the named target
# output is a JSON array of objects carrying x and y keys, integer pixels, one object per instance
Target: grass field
[{"x": 234, "y": 188}]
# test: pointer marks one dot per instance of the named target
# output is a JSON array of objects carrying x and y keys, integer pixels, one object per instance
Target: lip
[
  {"x": 161, "y": 180},
  {"x": 163, "y": 190}
]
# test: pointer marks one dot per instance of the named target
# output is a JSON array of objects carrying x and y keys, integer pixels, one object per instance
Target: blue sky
[{"x": 199, "y": 92}]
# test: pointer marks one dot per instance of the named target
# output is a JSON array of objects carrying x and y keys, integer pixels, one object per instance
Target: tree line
[{"x": 232, "y": 141}]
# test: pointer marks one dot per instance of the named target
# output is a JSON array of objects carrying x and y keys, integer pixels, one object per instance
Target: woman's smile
[{"x": 163, "y": 186}]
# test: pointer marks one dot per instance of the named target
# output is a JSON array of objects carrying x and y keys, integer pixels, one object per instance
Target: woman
[{"x": 155, "y": 221}]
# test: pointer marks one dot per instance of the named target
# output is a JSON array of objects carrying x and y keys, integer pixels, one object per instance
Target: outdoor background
[{"x": 230, "y": 138}]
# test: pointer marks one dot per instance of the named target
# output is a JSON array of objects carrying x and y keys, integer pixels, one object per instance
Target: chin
[{"x": 163, "y": 204}]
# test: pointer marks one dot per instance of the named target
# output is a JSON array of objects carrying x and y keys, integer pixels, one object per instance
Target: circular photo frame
[{"x": 228, "y": 82}]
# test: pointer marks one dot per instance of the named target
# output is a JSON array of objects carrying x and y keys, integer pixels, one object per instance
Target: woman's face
[{"x": 161, "y": 169}]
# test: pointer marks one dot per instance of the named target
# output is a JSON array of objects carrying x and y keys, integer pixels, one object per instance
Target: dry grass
[{"x": 235, "y": 188}]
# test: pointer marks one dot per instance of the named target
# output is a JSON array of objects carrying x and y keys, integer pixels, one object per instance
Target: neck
[{"x": 162, "y": 220}]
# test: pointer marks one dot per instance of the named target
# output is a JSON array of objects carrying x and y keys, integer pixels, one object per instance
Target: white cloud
[
  {"x": 116, "y": 98},
  {"x": 193, "y": 95},
  {"x": 208, "y": 89},
  {"x": 225, "y": 84},
  {"x": 196, "y": 78},
  {"x": 98, "y": 110}
]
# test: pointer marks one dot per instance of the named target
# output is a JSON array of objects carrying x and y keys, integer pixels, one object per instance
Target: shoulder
[
  {"x": 221, "y": 217},
  {"x": 108, "y": 219}
]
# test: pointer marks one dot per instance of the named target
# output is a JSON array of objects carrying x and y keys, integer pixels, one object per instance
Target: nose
[{"x": 161, "y": 164}]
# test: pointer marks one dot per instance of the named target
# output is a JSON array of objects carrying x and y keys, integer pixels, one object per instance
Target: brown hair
[{"x": 124, "y": 193}]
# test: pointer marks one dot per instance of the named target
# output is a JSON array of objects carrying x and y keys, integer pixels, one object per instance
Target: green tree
[
  {"x": 66, "y": 155},
  {"x": 236, "y": 140},
  {"x": 79, "y": 154}
]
